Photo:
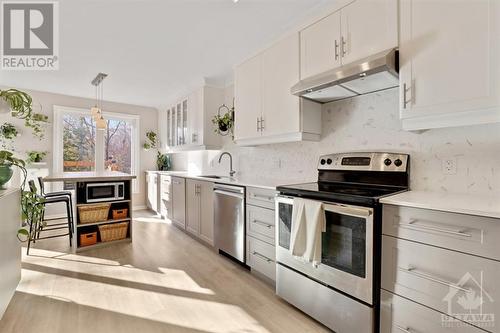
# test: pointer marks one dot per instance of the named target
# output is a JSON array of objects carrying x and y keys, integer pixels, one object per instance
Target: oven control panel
[{"x": 394, "y": 162}]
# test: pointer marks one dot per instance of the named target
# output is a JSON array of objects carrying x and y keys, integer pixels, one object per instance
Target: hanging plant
[
  {"x": 17, "y": 102},
  {"x": 224, "y": 123},
  {"x": 37, "y": 122},
  {"x": 151, "y": 141}
]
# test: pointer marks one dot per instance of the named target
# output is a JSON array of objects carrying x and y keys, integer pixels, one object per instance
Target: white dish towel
[{"x": 308, "y": 221}]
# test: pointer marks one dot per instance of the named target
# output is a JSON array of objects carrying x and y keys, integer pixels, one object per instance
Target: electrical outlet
[
  {"x": 277, "y": 163},
  {"x": 449, "y": 166}
]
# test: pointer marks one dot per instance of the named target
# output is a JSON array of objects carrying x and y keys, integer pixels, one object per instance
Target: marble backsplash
[{"x": 369, "y": 123}]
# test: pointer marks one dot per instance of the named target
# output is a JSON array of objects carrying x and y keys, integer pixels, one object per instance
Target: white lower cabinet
[
  {"x": 261, "y": 257},
  {"x": 260, "y": 231},
  {"x": 152, "y": 191},
  {"x": 447, "y": 263},
  {"x": 165, "y": 188},
  {"x": 200, "y": 210},
  {"x": 179, "y": 202},
  {"x": 400, "y": 315}
]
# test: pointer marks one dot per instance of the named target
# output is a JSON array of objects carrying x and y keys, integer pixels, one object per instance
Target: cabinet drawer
[
  {"x": 465, "y": 233},
  {"x": 261, "y": 197},
  {"x": 260, "y": 223},
  {"x": 448, "y": 281},
  {"x": 399, "y": 315},
  {"x": 261, "y": 257}
]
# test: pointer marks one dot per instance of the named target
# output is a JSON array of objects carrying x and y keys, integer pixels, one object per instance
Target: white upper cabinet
[
  {"x": 248, "y": 98},
  {"x": 280, "y": 71},
  {"x": 368, "y": 27},
  {"x": 358, "y": 30},
  {"x": 265, "y": 110},
  {"x": 188, "y": 124},
  {"x": 449, "y": 63},
  {"x": 320, "y": 46}
]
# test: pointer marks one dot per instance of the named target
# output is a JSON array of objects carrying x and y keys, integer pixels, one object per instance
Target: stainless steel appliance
[
  {"x": 229, "y": 215},
  {"x": 98, "y": 192},
  {"x": 374, "y": 73},
  {"x": 342, "y": 291}
]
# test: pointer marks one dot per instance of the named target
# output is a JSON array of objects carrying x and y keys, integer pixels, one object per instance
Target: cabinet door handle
[
  {"x": 405, "y": 100},
  {"x": 258, "y": 124},
  {"x": 343, "y": 46},
  {"x": 261, "y": 124},
  {"x": 413, "y": 271},
  {"x": 403, "y": 329},
  {"x": 336, "y": 50},
  {"x": 261, "y": 256},
  {"x": 411, "y": 225},
  {"x": 265, "y": 197},
  {"x": 267, "y": 225}
]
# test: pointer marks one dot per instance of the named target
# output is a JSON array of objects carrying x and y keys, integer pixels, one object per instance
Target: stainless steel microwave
[{"x": 99, "y": 192}]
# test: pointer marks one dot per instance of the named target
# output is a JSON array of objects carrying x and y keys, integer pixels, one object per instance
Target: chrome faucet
[{"x": 231, "y": 171}]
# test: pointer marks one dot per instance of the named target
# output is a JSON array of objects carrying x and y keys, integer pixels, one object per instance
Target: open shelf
[
  {"x": 80, "y": 225},
  {"x": 102, "y": 244},
  {"x": 95, "y": 203}
]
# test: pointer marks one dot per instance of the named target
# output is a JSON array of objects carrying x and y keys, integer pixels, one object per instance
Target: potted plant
[
  {"x": 20, "y": 105},
  {"x": 163, "y": 162},
  {"x": 151, "y": 140},
  {"x": 7, "y": 161},
  {"x": 223, "y": 122},
  {"x": 36, "y": 156},
  {"x": 8, "y": 131}
]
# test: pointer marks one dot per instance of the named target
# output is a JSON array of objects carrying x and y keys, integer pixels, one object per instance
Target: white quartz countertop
[
  {"x": 480, "y": 205},
  {"x": 238, "y": 181},
  {"x": 88, "y": 176}
]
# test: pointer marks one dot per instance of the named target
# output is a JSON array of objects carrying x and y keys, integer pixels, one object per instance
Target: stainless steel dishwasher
[{"x": 229, "y": 215}]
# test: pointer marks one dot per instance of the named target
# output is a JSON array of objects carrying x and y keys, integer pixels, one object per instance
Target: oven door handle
[{"x": 348, "y": 210}]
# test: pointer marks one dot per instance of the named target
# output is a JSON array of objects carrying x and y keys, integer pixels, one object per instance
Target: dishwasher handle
[
  {"x": 229, "y": 189},
  {"x": 230, "y": 193}
]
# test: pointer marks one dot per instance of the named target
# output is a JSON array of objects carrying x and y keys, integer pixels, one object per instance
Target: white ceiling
[{"x": 154, "y": 49}]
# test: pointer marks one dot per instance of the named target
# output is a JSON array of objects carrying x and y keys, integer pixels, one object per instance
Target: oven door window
[
  {"x": 285, "y": 224},
  {"x": 101, "y": 192},
  {"x": 344, "y": 243}
]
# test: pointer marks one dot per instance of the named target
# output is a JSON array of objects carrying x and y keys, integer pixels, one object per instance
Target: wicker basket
[
  {"x": 94, "y": 213},
  {"x": 115, "y": 231},
  {"x": 119, "y": 213},
  {"x": 88, "y": 239}
]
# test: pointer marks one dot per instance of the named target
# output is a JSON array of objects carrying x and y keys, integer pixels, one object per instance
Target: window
[{"x": 79, "y": 146}]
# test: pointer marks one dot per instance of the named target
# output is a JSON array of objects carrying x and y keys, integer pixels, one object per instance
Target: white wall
[
  {"x": 366, "y": 123},
  {"x": 43, "y": 103}
]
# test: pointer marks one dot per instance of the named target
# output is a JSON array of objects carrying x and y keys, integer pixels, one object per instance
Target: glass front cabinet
[{"x": 187, "y": 124}]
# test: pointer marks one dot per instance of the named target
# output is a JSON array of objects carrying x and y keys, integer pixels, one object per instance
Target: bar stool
[
  {"x": 37, "y": 222},
  {"x": 55, "y": 194}
]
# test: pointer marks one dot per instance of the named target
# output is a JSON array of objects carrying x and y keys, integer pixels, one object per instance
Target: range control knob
[
  {"x": 329, "y": 161},
  {"x": 323, "y": 161},
  {"x": 398, "y": 162},
  {"x": 387, "y": 161}
]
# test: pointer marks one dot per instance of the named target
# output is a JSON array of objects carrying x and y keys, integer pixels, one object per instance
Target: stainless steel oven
[
  {"x": 99, "y": 192},
  {"x": 346, "y": 248}
]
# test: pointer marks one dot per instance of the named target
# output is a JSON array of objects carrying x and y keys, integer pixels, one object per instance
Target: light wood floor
[{"x": 164, "y": 281}]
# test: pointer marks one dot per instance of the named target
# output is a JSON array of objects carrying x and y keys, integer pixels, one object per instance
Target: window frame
[{"x": 57, "y": 139}]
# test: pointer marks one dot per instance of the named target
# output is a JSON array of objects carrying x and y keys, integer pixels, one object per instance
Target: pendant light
[{"x": 96, "y": 111}]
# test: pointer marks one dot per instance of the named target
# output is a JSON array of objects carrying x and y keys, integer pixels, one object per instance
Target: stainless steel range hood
[{"x": 374, "y": 73}]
